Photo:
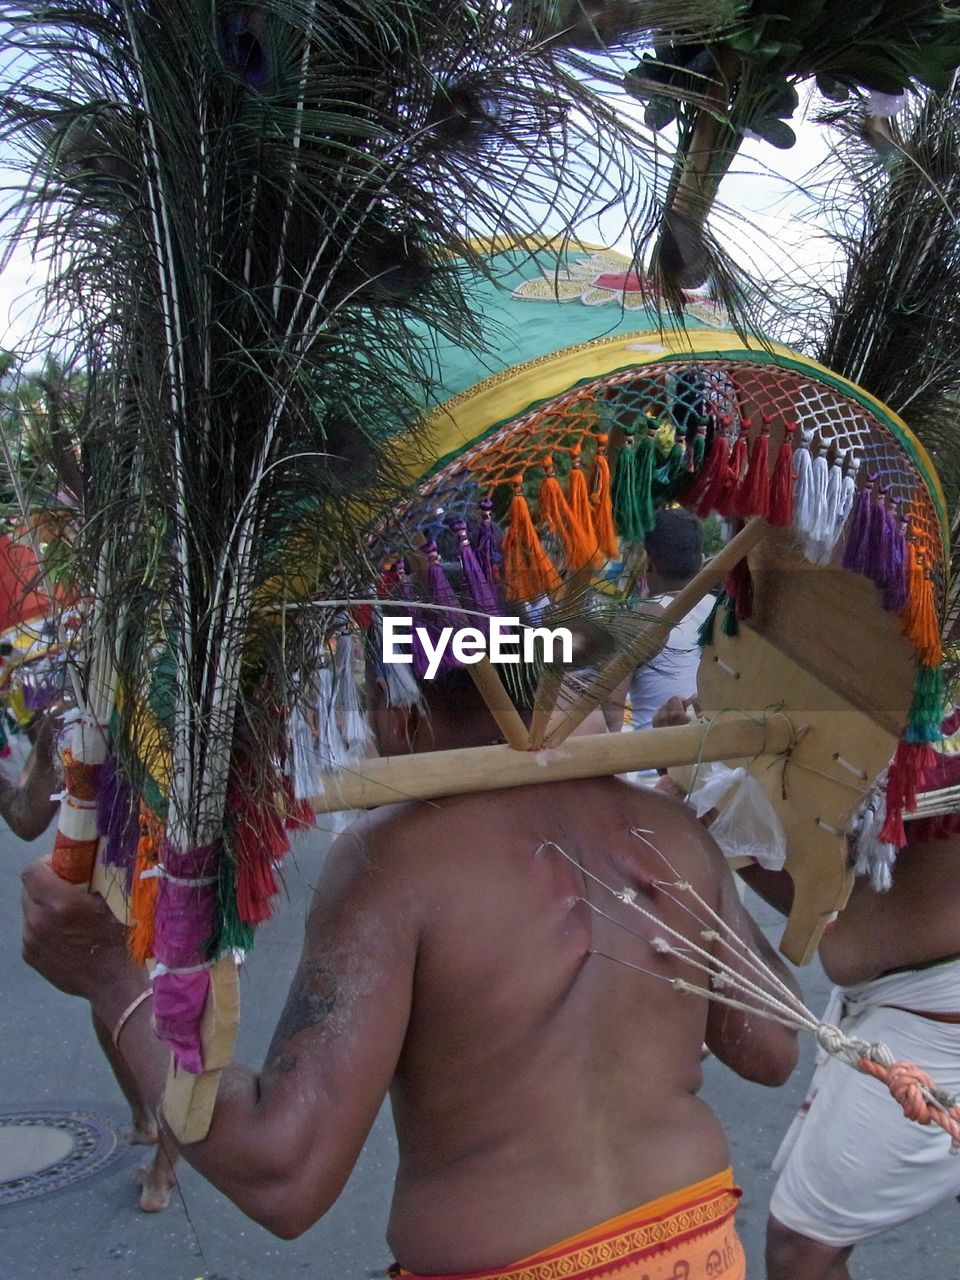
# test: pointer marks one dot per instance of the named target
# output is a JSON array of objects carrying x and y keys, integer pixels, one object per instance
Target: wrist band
[{"x": 128, "y": 1013}]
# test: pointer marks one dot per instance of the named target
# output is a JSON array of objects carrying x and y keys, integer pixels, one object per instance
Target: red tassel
[
  {"x": 258, "y": 841},
  {"x": 780, "y": 513},
  {"x": 738, "y": 585},
  {"x": 701, "y": 494},
  {"x": 910, "y": 765},
  {"x": 728, "y": 497},
  {"x": 753, "y": 498}
]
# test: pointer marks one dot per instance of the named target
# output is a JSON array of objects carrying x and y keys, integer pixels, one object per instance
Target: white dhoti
[{"x": 851, "y": 1164}]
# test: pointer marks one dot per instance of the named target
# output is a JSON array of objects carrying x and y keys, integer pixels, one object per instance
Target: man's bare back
[
  {"x": 452, "y": 958},
  {"x": 536, "y": 1076}
]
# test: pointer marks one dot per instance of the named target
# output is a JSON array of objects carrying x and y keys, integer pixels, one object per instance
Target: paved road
[{"x": 93, "y": 1230}]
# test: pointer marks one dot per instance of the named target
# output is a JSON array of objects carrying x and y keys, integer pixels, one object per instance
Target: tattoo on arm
[{"x": 312, "y": 1001}]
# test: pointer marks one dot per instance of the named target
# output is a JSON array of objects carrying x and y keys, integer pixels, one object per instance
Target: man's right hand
[
  {"x": 72, "y": 938},
  {"x": 675, "y": 711}
]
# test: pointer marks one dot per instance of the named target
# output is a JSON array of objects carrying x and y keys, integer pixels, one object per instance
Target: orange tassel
[
  {"x": 918, "y": 621},
  {"x": 143, "y": 892},
  {"x": 601, "y": 503},
  {"x": 556, "y": 515},
  {"x": 578, "y": 502},
  {"x": 527, "y": 569}
]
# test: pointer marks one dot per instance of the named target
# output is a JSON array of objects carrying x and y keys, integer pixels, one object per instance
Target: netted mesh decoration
[{"x": 571, "y": 481}]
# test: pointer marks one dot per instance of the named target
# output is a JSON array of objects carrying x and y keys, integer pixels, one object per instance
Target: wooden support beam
[{"x": 430, "y": 775}]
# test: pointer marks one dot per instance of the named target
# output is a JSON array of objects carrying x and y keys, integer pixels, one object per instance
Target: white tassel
[
  {"x": 332, "y": 751},
  {"x": 803, "y": 511},
  {"x": 873, "y": 857},
  {"x": 825, "y": 531},
  {"x": 351, "y": 720},
  {"x": 402, "y": 688}
]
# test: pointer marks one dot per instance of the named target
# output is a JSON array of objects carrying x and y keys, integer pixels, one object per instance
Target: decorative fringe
[
  {"x": 753, "y": 497},
  {"x": 232, "y": 933},
  {"x": 738, "y": 588},
  {"x": 481, "y": 592},
  {"x": 876, "y": 545},
  {"x": 894, "y": 584},
  {"x": 910, "y": 763},
  {"x": 696, "y": 450},
  {"x": 855, "y": 553},
  {"x": 919, "y": 621},
  {"x": 671, "y": 473},
  {"x": 487, "y": 543},
  {"x": 601, "y": 506},
  {"x": 727, "y": 498},
  {"x": 527, "y": 568},
  {"x": 625, "y": 493},
  {"x": 730, "y": 625},
  {"x": 803, "y": 511},
  {"x": 143, "y": 889},
  {"x": 351, "y": 719},
  {"x": 578, "y": 504},
  {"x": 117, "y": 817},
  {"x": 926, "y": 710},
  {"x": 257, "y": 841},
  {"x": 874, "y": 857},
  {"x": 780, "y": 513},
  {"x": 709, "y": 480},
  {"x": 825, "y": 531},
  {"x": 706, "y": 630},
  {"x": 579, "y": 543}
]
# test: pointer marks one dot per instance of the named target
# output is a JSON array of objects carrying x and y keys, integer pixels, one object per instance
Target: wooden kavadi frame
[{"x": 830, "y": 666}]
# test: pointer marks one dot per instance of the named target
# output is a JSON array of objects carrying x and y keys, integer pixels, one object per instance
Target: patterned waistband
[{"x": 683, "y": 1217}]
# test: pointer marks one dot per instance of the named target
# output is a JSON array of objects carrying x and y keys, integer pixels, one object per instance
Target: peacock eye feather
[{"x": 243, "y": 50}]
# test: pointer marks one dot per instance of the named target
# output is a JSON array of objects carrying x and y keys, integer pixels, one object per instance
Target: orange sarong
[{"x": 687, "y": 1235}]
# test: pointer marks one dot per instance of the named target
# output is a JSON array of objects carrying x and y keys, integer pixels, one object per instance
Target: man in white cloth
[{"x": 851, "y": 1165}]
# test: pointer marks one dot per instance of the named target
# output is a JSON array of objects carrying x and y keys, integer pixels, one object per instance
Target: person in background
[{"x": 28, "y": 805}]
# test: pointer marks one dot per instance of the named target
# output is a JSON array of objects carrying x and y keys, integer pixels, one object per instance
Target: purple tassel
[
  {"x": 858, "y": 531},
  {"x": 441, "y": 593},
  {"x": 487, "y": 543},
  {"x": 117, "y": 818},
  {"x": 479, "y": 584},
  {"x": 420, "y": 662},
  {"x": 894, "y": 585},
  {"x": 877, "y": 537}
]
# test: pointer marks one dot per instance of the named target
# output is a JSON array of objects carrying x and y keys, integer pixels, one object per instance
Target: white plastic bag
[{"x": 748, "y": 826}]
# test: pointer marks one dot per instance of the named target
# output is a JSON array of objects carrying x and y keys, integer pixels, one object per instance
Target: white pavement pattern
[{"x": 48, "y": 1058}]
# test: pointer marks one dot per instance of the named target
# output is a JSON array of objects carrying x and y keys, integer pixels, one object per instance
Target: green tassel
[
  {"x": 671, "y": 473},
  {"x": 624, "y": 495},
  {"x": 646, "y": 465},
  {"x": 705, "y": 633},
  {"x": 927, "y": 707},
  {"x": 699, "y": 451},
  {"x": 731, "y": 624},
  {"x": 232, "y": 932}
]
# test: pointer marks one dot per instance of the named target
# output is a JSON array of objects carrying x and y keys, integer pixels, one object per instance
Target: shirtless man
[
  {"x": 452, "y": 958},
  {"x": 28, "y": 809}
]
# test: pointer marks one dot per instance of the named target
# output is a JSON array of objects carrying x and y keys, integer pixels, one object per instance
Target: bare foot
[
  {"x": 157, "y": 1180},
  {"x": 143, "y": 1133}
]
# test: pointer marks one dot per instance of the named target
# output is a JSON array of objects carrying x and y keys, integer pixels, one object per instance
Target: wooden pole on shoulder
[{"x": 429, "y": 775}]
